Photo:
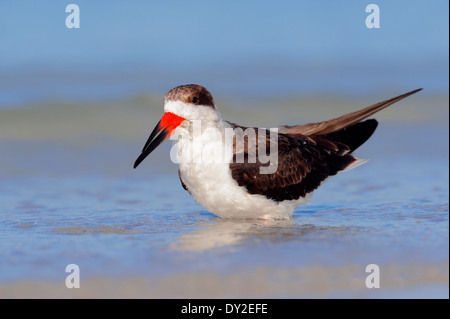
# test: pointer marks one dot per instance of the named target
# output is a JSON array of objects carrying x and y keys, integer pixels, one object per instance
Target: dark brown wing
[
  {"x": 303, "y": 164},
  {"x": 308, "y": 154}
]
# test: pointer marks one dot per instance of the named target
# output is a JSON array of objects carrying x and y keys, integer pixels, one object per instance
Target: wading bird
[{"x": 230, "y": 181}]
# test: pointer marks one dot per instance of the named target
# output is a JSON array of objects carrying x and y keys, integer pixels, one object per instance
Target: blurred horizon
[{"x": 245, "y": 49}]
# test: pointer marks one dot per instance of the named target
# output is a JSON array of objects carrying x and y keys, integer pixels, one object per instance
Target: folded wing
[{"x": 308, "y": 154}]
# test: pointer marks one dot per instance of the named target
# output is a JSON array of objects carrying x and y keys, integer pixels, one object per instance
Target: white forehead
[{"x": 191, "y": 111}]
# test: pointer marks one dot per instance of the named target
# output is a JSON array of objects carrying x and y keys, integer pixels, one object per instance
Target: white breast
[{"x": 204, "y": 160}]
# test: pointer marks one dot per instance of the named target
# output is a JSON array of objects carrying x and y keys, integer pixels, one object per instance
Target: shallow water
[{"x": 136, "y": 233}]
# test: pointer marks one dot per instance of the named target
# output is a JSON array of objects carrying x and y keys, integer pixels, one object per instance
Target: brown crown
[{"x": 191, "y": 93}]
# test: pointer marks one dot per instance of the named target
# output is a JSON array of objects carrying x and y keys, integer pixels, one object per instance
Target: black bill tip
[{"x": 158, "y": 136}]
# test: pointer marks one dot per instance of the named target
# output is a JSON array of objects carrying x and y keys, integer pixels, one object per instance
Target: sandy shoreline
[{"x": 397, "y": 281}]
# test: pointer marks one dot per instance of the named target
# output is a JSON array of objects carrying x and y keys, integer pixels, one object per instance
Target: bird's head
[{"x": 182, "y": 103}]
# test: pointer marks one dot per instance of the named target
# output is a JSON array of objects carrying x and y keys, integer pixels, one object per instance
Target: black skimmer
[{"x": 229, "y": 179}]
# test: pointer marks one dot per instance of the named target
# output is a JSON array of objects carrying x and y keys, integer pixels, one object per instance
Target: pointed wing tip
[{"x": 408, "y": 94}]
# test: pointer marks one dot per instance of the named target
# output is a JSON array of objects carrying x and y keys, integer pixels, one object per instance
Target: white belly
[{"x": 208, "y": 179}]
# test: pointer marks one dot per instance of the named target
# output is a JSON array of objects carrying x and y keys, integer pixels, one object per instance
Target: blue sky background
[{"x": 234, "y": 47}]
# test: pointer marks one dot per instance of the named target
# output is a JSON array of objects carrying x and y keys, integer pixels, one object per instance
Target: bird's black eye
[{"x": 195, "y": 100}]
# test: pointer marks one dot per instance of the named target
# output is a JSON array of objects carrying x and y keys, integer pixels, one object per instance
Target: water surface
[{"x": 69, "y": 195}]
